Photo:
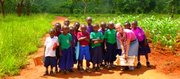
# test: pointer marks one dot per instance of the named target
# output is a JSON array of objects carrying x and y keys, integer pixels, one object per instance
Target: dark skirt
[
  {"x": 66, "y": 61},
  {"x": 97, "y": 55},
  {"x": 143, "y": 49},
  {"x": 111, "y": 52},
  {"x": 57, "y": 53},
  {"x": 74, "y": 55},
  {"x": 103, "y": 51}
]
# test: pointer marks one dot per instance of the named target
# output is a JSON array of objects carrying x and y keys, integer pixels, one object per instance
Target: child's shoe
[
  {"x": 148, "y": 64},
  {"x": 88, "y": 69},
  {"x": 139, "y": 65},
  {"x": 56, "y": 69},
  {"x": 51, "y": 73},
  {"x": 124, "y": 68},
  {"x": 109, "y": 67},
  {"x": 70, "y": 70},
  {"x": 113, "y": 66},
  {"x": 46, "y": 73},
  {"x": 81, "y": 69},
  {"x": 131, "y": 68}
]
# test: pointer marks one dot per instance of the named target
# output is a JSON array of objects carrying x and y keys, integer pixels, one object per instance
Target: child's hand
[
  {"x": 83, "y": 38},
  {"x": 60, "y": 53},
  {"x": 96, "y": 42},
  {"x": 126, "y": 58},
  {"x": 54, "y": 46}
]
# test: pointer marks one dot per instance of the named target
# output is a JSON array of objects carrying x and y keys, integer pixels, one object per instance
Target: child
[
  {"x": 74, "y": 40},
  {"x": 127, "y": 25},
  {"x": 102, "y": 30},
  {"x": 66, "y": 62},
  {"x": 96, "y": 40},
  {"x": 144, "y": 48},
  {"x": 76, "y": 30},
  {"x": 51, "y": 44},
  {"x": 66, "y": 22},
  {"x": 110, "y": 38},
  {"x": 84, "y": 38},
  {"x": 57, "y": 28},
  {"x": 89, "y": 22}
]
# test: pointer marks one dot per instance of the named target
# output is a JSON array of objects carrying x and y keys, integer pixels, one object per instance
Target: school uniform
[
  {"x": 103, "y": 45},
  {"x": 96, "y": 48},
  {"x": 84, "y": 48},
  {"x": 74, "y": 43},
  {"x": 66, "y": 61},
  {"x": 57, "y": 33},
  {"x": 110, "y": 37},
  {"x": 143, "y": 50},
  {"x": 50, "y": 54},
  {"x": 89, "y": 28}
]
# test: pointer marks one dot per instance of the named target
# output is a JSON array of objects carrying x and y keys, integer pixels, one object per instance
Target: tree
[
  {"x": 85, "y": 5},
  {"x": 173, "y": 6},
  {"x": 20, "y": 4},
  {"x": 2, "y": 7},
  {"x": 28, "y": 4}
]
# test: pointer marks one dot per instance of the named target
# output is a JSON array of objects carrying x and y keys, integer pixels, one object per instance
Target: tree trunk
[
  {"x": 85, "y": 6},
  {"x": 2, "y": 7},
  {"x": 19, "y": 8},
  {"x": 28, "y": 10}
]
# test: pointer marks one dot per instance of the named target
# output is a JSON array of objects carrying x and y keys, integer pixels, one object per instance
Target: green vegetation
[
  {"x": 20, "y": 36},
  {"x": 90, "y": 6}
]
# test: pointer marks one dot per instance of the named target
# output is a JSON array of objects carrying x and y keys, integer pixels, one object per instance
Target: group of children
[{"x": 68, "y": 45}]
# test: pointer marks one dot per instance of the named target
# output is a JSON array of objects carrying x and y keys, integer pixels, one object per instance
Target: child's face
[
  {"x": 103, "y": 26},
  {"x": 65, "y": 30},
  {"x": 89, "y": 21},
  {"x": 134, "y": 25},
  {"x": 96, "y": 28},
  {"x": 127, "y": 26},
  {"x": 111, "y": 26},
  {"x": 51, "y": 34},
  {"x": 58, "y": 28},
  {"x": 66, "y": 22},
  {"x": 83, "y": 28},
  {"x": 76, "y": 26},
  {"x": 71, "y": 30}
]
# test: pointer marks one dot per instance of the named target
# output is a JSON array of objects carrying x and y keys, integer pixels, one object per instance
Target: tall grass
[{"x": 20, "y": 36}]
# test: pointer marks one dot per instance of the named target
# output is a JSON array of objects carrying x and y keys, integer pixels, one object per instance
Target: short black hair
[
  {"x": 127, "y": 23},
  {"x": 136, "y": 22}
]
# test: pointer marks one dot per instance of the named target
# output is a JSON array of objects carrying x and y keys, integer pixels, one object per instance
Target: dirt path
[{"x": 36, "y": 72}]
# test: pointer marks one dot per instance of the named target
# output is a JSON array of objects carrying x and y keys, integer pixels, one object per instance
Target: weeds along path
[{"x": 36, "y": 72}]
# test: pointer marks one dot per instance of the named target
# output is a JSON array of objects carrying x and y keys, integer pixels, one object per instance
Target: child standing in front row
[
  {"x": 84, "y": 38},
  {"x": 96, "y": 40},
  {"x": 102, "y": 30},
  {"x": 57, "y": 28},
  {"x": 110, "y": 38},
  {"x": 51, "y": 44},
  {"x": 66, "y": 62}
]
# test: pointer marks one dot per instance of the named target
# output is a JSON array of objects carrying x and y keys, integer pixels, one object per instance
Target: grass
[{"x": 20, "y": 36}]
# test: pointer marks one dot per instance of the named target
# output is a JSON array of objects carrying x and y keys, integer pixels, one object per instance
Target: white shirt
[{"x": 49, "y": 43}]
